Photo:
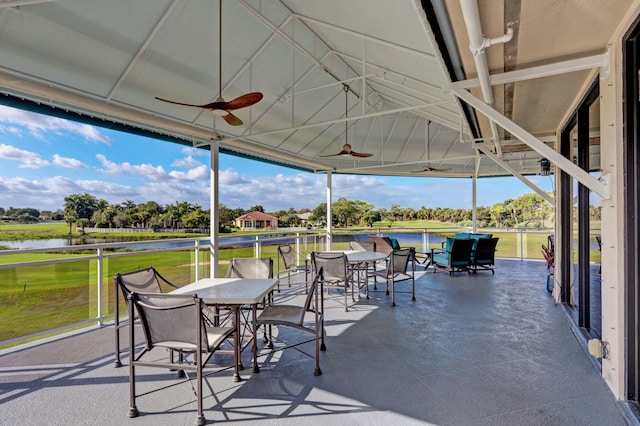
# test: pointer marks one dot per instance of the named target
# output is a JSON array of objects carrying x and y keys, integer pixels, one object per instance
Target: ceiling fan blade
[
  {"x": 343, "y": 152},
  {"x": 220, "y": 104},
  {"x": 232, "y": 119},
  {"x": 430, "y": 170},
  {"x": 360, "y": 154},
  {"x": 184, "y": 104},
  {"x": 244, "y": 101}
]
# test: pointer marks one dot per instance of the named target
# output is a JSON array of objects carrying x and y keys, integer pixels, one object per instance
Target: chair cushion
[
  {"x": 448, "y": 244},
  {"x": 441, "y": 258},
  {"x": 482, "y": 235},
  {"x": 476, "y": 237},
  {"x": 462, "y": 235},
  {"x": 395, "y": 244}
]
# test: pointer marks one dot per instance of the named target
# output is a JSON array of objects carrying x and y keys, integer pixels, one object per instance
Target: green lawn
[{"x": 38, "y": 298}]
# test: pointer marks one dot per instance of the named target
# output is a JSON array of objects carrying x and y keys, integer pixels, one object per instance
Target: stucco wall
[{"x": 613, "y": 209}]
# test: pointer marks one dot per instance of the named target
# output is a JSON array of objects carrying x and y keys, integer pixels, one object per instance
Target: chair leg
[
  {"x": 317, "y": 371},
  {"x": 133, "y": 410},
  {"x": 413, "y": 289},
  {"x": 393, "y": 292},
  {"x": 116, "y": 326},
  {"x": 200, "y": 419}
]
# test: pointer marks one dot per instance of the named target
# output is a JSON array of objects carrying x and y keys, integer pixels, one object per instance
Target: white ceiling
[{"x": 110, "y": 59}]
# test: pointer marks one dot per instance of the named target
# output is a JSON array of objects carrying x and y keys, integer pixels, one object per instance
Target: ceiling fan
[
  {"x": 427, "y": 169},
  {"x": 427, "y": 149},
  {"x": 346, "y": 148},
  {"x": 220, "y": 107}
]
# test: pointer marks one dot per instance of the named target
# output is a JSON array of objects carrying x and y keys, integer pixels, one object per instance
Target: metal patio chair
[
  {"x": 335, "y": 271},
  {"x": 400, "y": 266},
  {"x": 147, "y": 280},
  {"x": 294, "y": 316},
  {"x": 288, "y": 256},
  {"x": 250, "y": 267},
  {"x": 177, "y": 323}
]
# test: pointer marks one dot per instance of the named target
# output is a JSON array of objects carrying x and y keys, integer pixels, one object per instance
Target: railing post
[
  {"x": 99, "y": 270},
  {"x": 257, "y": 247},
  {"x": 297, "y": 248},
  {"x": 197, "y": 260},
  {"x": 425, "y": 239},
  {"x": 521, "y": 245}
]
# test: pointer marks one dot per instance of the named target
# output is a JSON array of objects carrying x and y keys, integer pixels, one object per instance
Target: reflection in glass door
[{"x": 580, "y": 142}]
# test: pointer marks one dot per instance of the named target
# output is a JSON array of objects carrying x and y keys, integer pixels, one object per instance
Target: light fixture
[{"x": 545, "y": 167}]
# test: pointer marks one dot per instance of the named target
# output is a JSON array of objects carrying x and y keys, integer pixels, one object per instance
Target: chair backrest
[
  {"x": 171, "y": 320},
  {"x": 143, "y": 281},
  {"x": 383, "y": 244},
  {"x": 311, "y": 294},
  {"x": 362, "y": 245},
  {"x": 250, "y": 267},
  {"x": 461, "y": 249},
  {"x": 286, "y": 253},
  {"x": 400, "y": 261},
  {"x": 334, "y": 265},
  {"x": 485, "y": 248}
]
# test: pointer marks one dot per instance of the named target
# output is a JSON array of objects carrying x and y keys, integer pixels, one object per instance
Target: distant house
[{"x": 253, "y": 221}]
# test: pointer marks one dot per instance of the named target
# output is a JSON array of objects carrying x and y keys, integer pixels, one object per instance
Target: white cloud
[
  {"x": 28, "y": 159},
  {"x": 187, "y": 162},
  {"x": 197, "y": 174},
  {"x": 39, "y": 124},
  {"x": 68, "y": 163},
  {"x": 195, "y": 152},
  {"x": 145, "y": 170},
  {"x": 232, "y": 177}
]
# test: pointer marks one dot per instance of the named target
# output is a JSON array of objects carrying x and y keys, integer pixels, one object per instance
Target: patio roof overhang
[{"x": 109, "y": 61}]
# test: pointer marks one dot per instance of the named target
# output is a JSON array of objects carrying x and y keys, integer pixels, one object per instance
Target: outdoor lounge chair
[
  {"x": 294, "y": 316},
  {"x": 400, "y": 265},
  {"x": 174, "y": 322},
  {"x": 335, "y": 271},
  {"x": 362, "y": 245},
  {"x": 288, "y": 256},
  {"x": 483, "y": 254},
  {"x": 384, "y": 244},
  {"x": 455, "y": 257},
  {"x": 146, "y": 280}
]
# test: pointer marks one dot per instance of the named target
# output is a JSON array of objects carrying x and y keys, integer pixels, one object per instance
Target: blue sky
[{"x": 43, "y": 159}]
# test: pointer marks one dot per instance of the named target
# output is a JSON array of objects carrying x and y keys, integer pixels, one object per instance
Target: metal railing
[{"x": 45, "y": 290}]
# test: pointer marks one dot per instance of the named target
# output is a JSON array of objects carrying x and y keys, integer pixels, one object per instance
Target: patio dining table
[{"x": 234, "y": 293}]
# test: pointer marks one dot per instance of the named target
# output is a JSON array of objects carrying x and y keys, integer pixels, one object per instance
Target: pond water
[{"x": 230, "y": 241}]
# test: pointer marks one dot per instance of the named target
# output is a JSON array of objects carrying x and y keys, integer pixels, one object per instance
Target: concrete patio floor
[{"x": 472, "y": 350}]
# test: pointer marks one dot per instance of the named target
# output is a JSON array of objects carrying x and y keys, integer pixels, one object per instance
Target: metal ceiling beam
[
  {"x": 537, "y": 145},
  {"x": 366, "y": 37},
  {"x": 18, "y": 3},
  {"x": 556, "y": 68},
  {"x": 343, "y": 119},
  {"x": 143, "y": 48},
  {"x": 515, "y": 173},
  {"x": 437, "y": 117}
]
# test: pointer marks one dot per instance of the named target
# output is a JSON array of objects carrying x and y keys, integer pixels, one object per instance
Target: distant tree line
[{"x": 85, "y": 210}]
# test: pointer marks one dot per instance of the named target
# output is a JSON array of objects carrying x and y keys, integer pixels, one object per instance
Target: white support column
[
  {"x": 474, "y": 183},
  {"x": 329, "y": 213},
  {"x": 215, "y": 217},
  {"x": 474, "y": 195},
  {"x": 537, "y": 145},
  {"x": 516, "y": 174}
]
